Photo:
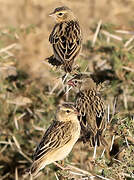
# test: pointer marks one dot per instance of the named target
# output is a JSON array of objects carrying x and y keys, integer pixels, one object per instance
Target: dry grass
[{"x": 28, "y": 99}]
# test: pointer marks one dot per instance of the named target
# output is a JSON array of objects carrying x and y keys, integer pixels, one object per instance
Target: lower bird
[
  {"x": 91, "y": 107},
  {"x": 58, "y": 140}
]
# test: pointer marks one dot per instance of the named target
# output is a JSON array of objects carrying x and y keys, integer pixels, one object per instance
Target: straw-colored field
[{"x": 28, "y": 102}]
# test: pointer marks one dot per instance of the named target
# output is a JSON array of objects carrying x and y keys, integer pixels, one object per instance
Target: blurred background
[
  {"x": 28, "y": 100},
  {"x": 35, "y": 46}
]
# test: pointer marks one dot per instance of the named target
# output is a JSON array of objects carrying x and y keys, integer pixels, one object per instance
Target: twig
[
  {"x": 111, "y": 35},
  {"x": 65, "y": 78},
  {"x": 125, "y": 99},
  {"x": 68, "y": 90},
  {"x": 53, "y": 89},
  {"x": 25, "y": 156},
  {"x": 56, "y": 176},
  {"x": 95, "y": 148},
  {"x": 96, "y": 32},
  {"x": 102, "y": 177},
  {"x": 16, "y": 142},
  {"x": 128, "y": 68},
  {"x": 112, "y": 142},
  {"x": 125, "y": 32},
  {"x": 108, "y": 113},
  {"x": 126, "y": 142},
  {"x": 114, "y": 106},
  {"x": 3, "y": 149},
  {"x": 4, "y": 142},
  {"x": 8, "y": 47},
  {"x": 103, "y": 152},
  {"x": 4, "y": 177},
  {"x": 19, "y": 149},
  {"x": 79, "y": 170},
  {"x": 129, "y": 41},
  {"x": 16, "y": 174}
]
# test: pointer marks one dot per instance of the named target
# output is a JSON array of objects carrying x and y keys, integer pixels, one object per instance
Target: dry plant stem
[
  {"x": 111, "y": 35},
  {"x": 60, "y": 166},
  {"x": 96, "y": 32},
  {"x": 16, "y": 174},
  {"x": 79, "y": 170},
  {"x": 53, "y": 89},
  {"x": 4, "y": 148},
  {"x": 112, "y": 142},
  {"x": 125, "y": 99},
  {"x": 114, "y": 107},
  {"x": 128, "y": 68},
  {"x": 5, "y": 176},
  {"x": 68, "y": 90},
  {"x": 56, "y": 176},
  {"x": 125, "y": 32},
  {"x": 67, "y": 94},
  {"x": 95, "y": 148},
  {"x": 65, "y": 78},
  {"x": 101, "y": 177},
  {"x": 129, "y": 41},
  {"x": 103, "y": 152},
  {"x": 127, "y": 142},
  {"x": 8, "y": 47},
  {"x": 108, "y": 113},
  {"x": 19, "y": 149}
]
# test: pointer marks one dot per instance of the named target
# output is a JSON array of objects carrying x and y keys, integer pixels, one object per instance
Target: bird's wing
[
  {"x": 91, "y": 108},
  {"x": 57, "y": 135},
  {"x": 66, "y": 40}
]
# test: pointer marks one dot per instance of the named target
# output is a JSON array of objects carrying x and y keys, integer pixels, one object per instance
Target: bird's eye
[
  {"x": 68, "y": 111},
  {"x": 60, "y": 14},
  {"x": 75, "y": 81}
]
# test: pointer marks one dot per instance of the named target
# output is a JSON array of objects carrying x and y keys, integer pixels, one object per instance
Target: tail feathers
[
  {"x": 91, "y": 138},
  {"x": 53, "y": 61},
  {"x": 36, "y": 167},
  {"x": 68, "y": 66},
  {"x": 100, "y": 139}
]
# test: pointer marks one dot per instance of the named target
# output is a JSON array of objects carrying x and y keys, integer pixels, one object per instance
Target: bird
[
  {"x": 65, "y": 38},
  {"x": 58, "y": 139},
  {"x": 91, "y": 108}
]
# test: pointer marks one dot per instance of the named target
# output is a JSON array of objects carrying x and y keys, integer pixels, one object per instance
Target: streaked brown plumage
[
  {"x": 59, "y": 138},
  {"x": 65, "y": 38},
  {"x": 91, "y": 108}
]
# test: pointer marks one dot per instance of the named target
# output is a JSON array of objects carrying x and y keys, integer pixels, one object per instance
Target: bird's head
[
  {"x": 82, "y": 82},
  {"x": 66, "y": 112},
  {"x": 62, "y": 14}
]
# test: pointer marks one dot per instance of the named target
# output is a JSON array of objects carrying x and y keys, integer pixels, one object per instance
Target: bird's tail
[
  {"x": 68, "y": 66},
  {"x": 53, "y": 61},
  {"x": 93, "y": 139},
  {"x": 36, "y": 167},
  {"x": 99, "y": 139}
]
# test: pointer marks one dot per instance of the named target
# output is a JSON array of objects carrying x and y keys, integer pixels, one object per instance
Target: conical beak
[
  {"x": 52, "y": 14},
  {"x": 76, "y": 112},
  {"x": 70, "y": 83}
]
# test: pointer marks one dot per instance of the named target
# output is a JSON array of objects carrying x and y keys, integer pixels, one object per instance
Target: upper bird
[
  {"x": 65, "y": 38},
  {"x": 59, "y": 138},
  {"x": 91, "y": 109}
]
